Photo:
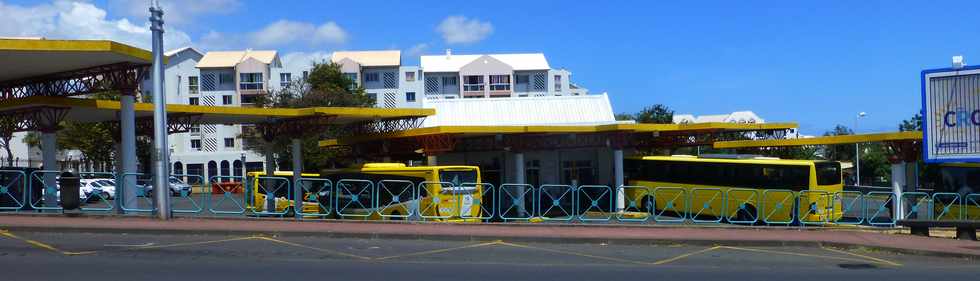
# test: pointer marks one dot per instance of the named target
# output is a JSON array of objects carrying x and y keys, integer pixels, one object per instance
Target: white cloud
[
  {"x": 417, "y": 50},
  {"x": 284, "y": 32},
  {"x": 80, "y": 20},
  {"x": 460, "y": 30},
  {"x": 176, "y": 12}
]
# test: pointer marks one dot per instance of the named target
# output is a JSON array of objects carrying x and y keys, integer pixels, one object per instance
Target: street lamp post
[
  {"x": 161, "y": 154},
  {"x": 857, "y": 151}
]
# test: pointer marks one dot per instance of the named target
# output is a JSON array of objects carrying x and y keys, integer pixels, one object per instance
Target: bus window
[
  {"x": 828, "y": 173},
  {"x": 457, "y": 177}
]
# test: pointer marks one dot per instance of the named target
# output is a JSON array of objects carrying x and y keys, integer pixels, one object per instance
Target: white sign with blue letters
[{"x": 951, "y": 117}]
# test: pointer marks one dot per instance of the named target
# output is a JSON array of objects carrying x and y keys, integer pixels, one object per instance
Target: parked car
[
  {"x": 176, "y": 187},
  {"x": 108, "y": 188}
]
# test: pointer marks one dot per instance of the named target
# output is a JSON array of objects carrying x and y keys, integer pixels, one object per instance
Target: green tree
[
  {"x": 839, "y": 152},
  {"x": 624, "y": 116},
  {"x": 912, "y": 124},
  {"x": 326, "y": 86},
  {"x": 657, "y": 114}
]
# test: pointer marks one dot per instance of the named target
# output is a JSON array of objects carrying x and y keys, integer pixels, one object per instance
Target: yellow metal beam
[
  {"x": 558, "y": 129},
  {"x": 81, "y": 46},
  {"x": 92, "y": 110},
  {"x": 827, "y": 140}
]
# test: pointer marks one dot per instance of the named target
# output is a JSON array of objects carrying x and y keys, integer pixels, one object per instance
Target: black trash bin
[{"x": 70, "y": 185}]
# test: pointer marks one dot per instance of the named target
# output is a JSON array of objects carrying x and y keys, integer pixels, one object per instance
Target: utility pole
[{"x": 161, "y": 151}]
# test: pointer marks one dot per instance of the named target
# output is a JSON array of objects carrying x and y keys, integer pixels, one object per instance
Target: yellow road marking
[
  {"x": 805, "y": 255},
  {"x": 42, "y": 245},
  {"x": 879, "y": 260},
  {"x": 188, "y": 243},
  {"x": 572, "y": 253},
  {"x": 312, "y": 248},
  {"x": 441, "y": 250},
  {"x": 665, "y": 261}
]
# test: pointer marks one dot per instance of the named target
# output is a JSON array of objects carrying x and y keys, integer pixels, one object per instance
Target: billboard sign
[{"x": 951, "y": 117}]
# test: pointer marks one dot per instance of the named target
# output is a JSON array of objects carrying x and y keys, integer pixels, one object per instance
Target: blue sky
[{"x": 816, "y": 63}]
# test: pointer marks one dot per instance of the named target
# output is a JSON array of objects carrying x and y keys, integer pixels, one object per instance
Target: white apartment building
[
  {"x": 225, "y": 78},
  {"x": 382, "y": 76},
  {"x": 450, "y": 76}
]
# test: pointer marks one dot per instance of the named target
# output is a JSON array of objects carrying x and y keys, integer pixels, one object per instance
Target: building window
[
  {"x": 285, "y": 79},
  {"x": 226, "y": 100},
  {"x": 196, "y": 145},
  {"x": 225, "y": 79},
  {"x": 371, "y": 77},
  {"x": 500, "y": 82},
  {"x": 193, "y": 85},
  {"x": 557, "y": 83},
  {"x": 522, "y": 79},
  {"x": 194, "y": 101},
  {"x": 229, "y": 142},
  {"x": 410, "y": 76},
  {"x": 449, "y": 81},
  {"x": 410, "y": 96},
  {"x": 250, "y": 81},
  {"x": 306, "y": 74},
  {"x": 195, "y": 129},
  {"x": 472, "y": 83}
]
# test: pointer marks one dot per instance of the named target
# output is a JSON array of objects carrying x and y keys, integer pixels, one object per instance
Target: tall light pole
[
  {"x": 161, "y": 151},
  {"x": 857, "y": 151}
]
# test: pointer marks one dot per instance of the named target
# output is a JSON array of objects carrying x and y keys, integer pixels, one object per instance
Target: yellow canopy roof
[
  {"x": 91, "y": 110},
  {"x": 26, "y": 58},
  {"x": 826, "y": 140}
]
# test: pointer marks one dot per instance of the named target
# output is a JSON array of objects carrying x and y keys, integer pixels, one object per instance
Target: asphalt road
[{"x": 87, "y": 256}]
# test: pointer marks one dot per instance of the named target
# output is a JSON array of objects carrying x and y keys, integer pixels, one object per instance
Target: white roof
[
  {"x": 176, "y": 51},
  {"x": 526, "y": 111},
  {"x": 370, "y": 58},
  {"x": 233, "y": 58},
  {"x": 452, "y": 63},
  {"x": 734, "y": 117}
]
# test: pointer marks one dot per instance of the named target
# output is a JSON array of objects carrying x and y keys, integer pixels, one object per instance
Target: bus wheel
[
  {"x": 395, "y": 216},
  {"x": 743, "y": 216}
]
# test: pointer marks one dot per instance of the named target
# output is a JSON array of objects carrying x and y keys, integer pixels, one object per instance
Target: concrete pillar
[
  {"x": 519, "y": 178},
  {"x": 431, "y": 160},
  {"x": 49, "y": 154},
  {"x": 127, "y": 126},
  {"x": 898, "y": 182},
  {"x": 385, "y": 152},
  {"x": 270, "y": 171},
  {"x": 619, "y": 179},
  {"x": 297, "y": 174}
]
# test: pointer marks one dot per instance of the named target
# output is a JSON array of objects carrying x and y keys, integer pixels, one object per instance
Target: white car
[{"x": 108, "y": 188}]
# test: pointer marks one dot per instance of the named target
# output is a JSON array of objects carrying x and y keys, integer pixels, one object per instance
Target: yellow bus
[
  {"x": 957, "y": 182},
  {"x": 376, "y": 191},
  {"x": 696, "y": 184}
]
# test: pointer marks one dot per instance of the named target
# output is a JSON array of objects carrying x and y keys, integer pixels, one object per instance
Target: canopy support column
[
  {"x": 297, "y": 175},
  {"x": 127, "y": 149},
  {"x": 520, "y": 179},
  {"x": 619, "y": 178},
  {"x": 270, "y": 171},
  {"x": 898, "y": 183},
  {"x": 49, "y": 154}
]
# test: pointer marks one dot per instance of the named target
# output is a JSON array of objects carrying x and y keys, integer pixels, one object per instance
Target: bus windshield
[
  {"x": 828, "y": 173},
  {"x": 457, "y": 177}
]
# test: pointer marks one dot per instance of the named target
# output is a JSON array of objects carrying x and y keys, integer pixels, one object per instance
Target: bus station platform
[{"x": 852, "y": 237}]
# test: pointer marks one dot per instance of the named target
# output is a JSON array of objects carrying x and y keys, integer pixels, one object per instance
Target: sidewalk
[{"x": 617, "y": 234}]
